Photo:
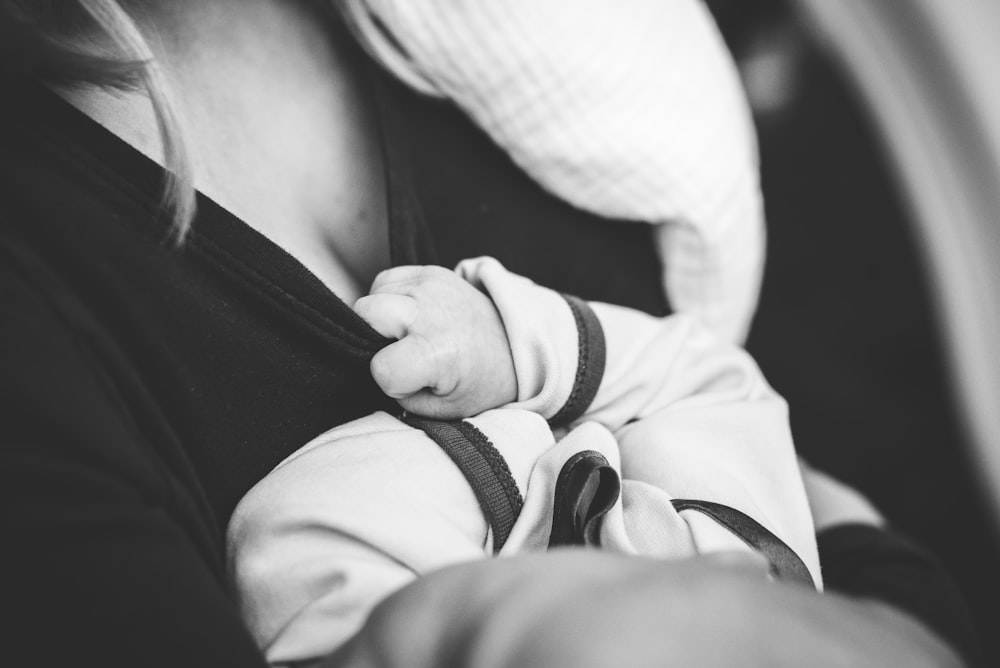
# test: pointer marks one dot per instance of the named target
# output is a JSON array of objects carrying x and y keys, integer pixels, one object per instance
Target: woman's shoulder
[
  {"x": 102, "y": 531},
  {"x": 62, "y": 399}
]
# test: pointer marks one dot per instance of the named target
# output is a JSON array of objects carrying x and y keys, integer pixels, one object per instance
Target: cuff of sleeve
[{"x": 556, "y": 341}]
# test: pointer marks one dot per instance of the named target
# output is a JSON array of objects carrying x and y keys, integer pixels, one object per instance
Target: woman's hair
[{"x": 74, "y": 42}]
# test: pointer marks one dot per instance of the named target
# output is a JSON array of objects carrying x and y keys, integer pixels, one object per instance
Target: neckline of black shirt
[{"x": 217, "y": 233}]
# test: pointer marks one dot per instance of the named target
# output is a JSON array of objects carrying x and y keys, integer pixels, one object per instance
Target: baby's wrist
[{"x": 556, "y": 342}]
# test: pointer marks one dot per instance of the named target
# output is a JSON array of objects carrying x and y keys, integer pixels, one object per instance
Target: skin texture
[
  {"x": 587, "y": 609},
  {"x": 452, "y": 358},
  {"x": 278, "y": 124}
]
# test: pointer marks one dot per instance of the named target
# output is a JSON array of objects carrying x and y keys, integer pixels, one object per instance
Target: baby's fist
[{"x": 452, "y": 359}]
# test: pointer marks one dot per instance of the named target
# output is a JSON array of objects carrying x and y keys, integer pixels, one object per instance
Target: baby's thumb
[{"x": 429, "y": 405}]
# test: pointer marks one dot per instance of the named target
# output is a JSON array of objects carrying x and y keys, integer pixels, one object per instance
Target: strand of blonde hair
[{"x": 178, "y": 198}]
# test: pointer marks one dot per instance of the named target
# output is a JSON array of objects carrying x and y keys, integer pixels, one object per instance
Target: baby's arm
[
  {"x": 482, "y": 337},
  {"x": 578, "y": 361}
]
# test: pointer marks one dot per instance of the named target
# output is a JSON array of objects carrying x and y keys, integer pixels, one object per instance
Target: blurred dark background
[{"x": 846, "y": 330}]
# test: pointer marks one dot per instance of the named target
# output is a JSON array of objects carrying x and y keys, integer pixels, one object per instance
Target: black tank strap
[{"x": 409, "y": 241}]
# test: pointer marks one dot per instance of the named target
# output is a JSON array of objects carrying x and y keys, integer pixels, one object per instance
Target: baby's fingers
[
  {"x": 427, "y": 404},
  {"x": 391, "y": 315},
  {"x": 406, "y": 367}
]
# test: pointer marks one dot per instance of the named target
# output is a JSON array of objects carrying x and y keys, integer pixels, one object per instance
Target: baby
[{"x": 543, "y": 421}]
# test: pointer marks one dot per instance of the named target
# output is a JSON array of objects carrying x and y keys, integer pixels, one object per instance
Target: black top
[
  {"x": 146, "y": 387},
  {"x": 867, "y": 562}
]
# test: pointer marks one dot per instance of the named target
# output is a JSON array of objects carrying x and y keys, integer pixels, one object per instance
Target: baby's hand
[{"x": 452, "y": 359}]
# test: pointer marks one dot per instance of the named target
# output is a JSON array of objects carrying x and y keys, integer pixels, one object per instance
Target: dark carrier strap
[
  {"x": 785, "y": 564},
  {"x": 483, "y": 467}
]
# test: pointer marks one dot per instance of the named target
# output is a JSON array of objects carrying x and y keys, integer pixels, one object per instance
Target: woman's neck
[{"x": 276, "y": 121}]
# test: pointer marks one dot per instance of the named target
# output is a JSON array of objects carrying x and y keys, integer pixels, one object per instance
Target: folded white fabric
[
  {"x": 631, "y": 109},
  {"x": 667, "y": 411}
]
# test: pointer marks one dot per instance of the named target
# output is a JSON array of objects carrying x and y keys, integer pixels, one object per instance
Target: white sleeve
[
  {"x": 364, "y": 509},
  {"x": 631, "y": 109},
  {"x": 579, "y": 361},
  {"x": 341, "y": 523}
]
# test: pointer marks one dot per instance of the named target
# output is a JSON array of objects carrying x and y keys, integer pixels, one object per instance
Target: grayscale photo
[{"x": 500, "y": 333}]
